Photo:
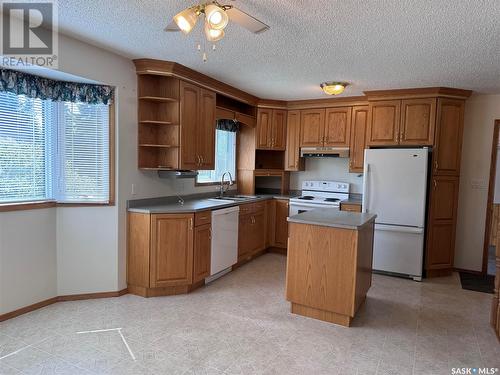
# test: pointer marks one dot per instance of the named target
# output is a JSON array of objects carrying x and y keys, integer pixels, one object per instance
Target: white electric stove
[{"x": 317, "y": 194}]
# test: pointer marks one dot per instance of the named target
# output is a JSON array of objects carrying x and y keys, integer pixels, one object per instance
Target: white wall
[
  {"x": 480, "y": 114},
  {"x": 333, "y": 169},
  {"x": 28, "y": 272},
  {"x": 75, "y": 250}
]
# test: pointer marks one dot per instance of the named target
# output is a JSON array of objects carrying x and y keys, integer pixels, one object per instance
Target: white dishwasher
[{"x": 224, "y": 241}]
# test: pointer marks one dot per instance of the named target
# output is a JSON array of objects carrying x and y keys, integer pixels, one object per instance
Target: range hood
[{"x": 324, "y": 152}]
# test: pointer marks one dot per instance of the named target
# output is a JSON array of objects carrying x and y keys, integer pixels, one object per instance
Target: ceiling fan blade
[
  {"x": 172, "y": 27},
  {"x": 247, "y": 21}
]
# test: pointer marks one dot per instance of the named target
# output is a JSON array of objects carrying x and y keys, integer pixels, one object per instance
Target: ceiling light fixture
[
  {"x": 213, "y": 35},
  {"x": 216, "y": 16},
  {"x": 334, "y": 88},
  {"x": 186, "y": 20}
]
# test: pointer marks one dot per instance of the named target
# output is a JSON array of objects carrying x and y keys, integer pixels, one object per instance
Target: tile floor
[{"x": 241, "y": 324}]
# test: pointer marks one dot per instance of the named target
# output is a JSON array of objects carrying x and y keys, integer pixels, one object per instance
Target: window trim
[
  {"x": 34, "y": 205},
  {"x": 235, "y": 177}
]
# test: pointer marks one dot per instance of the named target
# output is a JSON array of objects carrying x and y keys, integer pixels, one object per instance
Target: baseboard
[
  {"x": 27, "y": 309},
  {"x": 50, "y": 301},
  {"x": 468, "y": 271},
  {"x": 277, "y": 250}
]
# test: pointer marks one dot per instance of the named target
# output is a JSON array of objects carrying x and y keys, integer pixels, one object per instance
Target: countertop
[
  {"x": 335, "y": 218},
  {"x": 171, "y": 205}
]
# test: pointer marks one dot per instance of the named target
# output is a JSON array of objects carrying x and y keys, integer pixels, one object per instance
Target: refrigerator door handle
[
  {"x": 366, "y": 187},
  {"x": 398, "y": 228}
]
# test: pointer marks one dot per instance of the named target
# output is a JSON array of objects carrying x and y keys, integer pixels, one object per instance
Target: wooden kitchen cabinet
[
  {"x": 206, "y": 130},
  {"x": 449, "y": 132},
  {"x": 278, "y": 130},
  {"x": 418, "y": 119},
  {"x": 189, "y": 104},
  {"x": 271, "y": 129},
  {"x": 358, "y": 138},
  {"x": 171, "y": 250},
  {"x": 293, "y": 161},
  {"x": 312, "y": 127},
  {"x": 252, "y": 235},
  {"x": 329, "y": 127},
  {"x": 441, "y": 225},
  {"x": 202, "y": 252},
  {"x": 281, "y": 224},
  {"x": 167, "y": 253},
  {"x": 337, "y": 127},
  {"x": 197, "y": 119},
  {"x": 383, "y": 123}
]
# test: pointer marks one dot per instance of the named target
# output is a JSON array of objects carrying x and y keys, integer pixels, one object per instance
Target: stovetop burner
[
  {"x": 332, "y": 199},
  {"x": 307, "y": 198}
]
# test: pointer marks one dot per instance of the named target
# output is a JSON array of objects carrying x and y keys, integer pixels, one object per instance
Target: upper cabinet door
[
  {"x": 206, "y": 132},
  {"x": 171, "y": 250},
  {"x": 189, "y": 117},
  {"x": 264, "y": 131},
  {"x": 278, "y": 132},
  {"x": 312, "y": 128},
  {"x": 292, "y": 159},
  {"x": 383, "y": 123},
  {"x": 358, "y": 138},
  {"x": 338, "y": 126},
  {"x": 448, "y": 148},
  {"x": 418, "y": 120}
]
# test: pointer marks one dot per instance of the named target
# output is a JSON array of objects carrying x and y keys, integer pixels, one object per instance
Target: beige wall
[{"x": 480, "y": 114}]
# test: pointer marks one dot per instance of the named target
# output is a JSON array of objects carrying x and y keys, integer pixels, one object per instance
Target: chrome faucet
[{"x": 222, "y": 190}]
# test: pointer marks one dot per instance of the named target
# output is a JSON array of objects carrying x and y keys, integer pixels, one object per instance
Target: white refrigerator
[{"x": 395, "y": 189}]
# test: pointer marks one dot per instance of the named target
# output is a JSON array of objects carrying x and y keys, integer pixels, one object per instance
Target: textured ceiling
[{"x": 374, "y": 44}]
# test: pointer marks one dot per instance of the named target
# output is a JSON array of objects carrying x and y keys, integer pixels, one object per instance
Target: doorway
[{"x": 491, "y": 251}]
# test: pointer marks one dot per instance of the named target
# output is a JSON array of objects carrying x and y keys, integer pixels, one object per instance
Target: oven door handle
[{"x": 311, "y": 205}]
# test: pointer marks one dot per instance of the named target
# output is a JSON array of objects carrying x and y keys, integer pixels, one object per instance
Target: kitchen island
[{"x": 329, "y": 265}]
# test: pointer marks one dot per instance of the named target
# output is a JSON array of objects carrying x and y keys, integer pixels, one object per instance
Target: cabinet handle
[
  {"x": 436, "y": 165},
  {"x": 202, "y": 159},
  {"x": 191, "y": 224},
  {"x": 435, "y": 184}
]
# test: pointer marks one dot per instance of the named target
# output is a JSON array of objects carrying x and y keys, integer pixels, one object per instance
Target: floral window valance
[
  {"x": 228, "y": 125},
  {"x": 47, "y": 89}
]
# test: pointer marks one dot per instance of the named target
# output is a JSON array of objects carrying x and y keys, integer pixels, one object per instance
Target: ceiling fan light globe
[
  {"x": 186, "y": 20},
  {"x": 213, "y": 35},
  {"x": 216, "y": 17}
]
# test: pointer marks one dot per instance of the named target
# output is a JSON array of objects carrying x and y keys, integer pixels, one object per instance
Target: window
[
  {"x": 225, "y": 158},
  {"x": 53, "y": 150}
]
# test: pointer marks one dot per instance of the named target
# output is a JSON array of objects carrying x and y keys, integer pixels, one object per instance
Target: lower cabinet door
[
  {"x": 258, "y": 229},
  {"x": 245, "y": 235},
  {"x": 202, "y": 252},
  {"x": 281, "y": 233},
  {"x": 171, "y": 250}
]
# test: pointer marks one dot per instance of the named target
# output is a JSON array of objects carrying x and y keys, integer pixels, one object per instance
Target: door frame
[{"x": 491, "y": 192}]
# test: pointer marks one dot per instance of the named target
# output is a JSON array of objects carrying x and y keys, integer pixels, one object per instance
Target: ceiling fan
[{"x": 217, "y": 17}]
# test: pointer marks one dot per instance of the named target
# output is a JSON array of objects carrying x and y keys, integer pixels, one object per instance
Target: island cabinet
[
  {"x": 252, "y": 229},
  {"x": 271, "y": 129},
  {"x": 330, "y": 127},
  {"x": 329, "y": 269},
  {"x": 167, "y": 253}
]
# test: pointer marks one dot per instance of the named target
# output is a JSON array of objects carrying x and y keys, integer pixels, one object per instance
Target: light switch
[{"x": 132, "y": 190}]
